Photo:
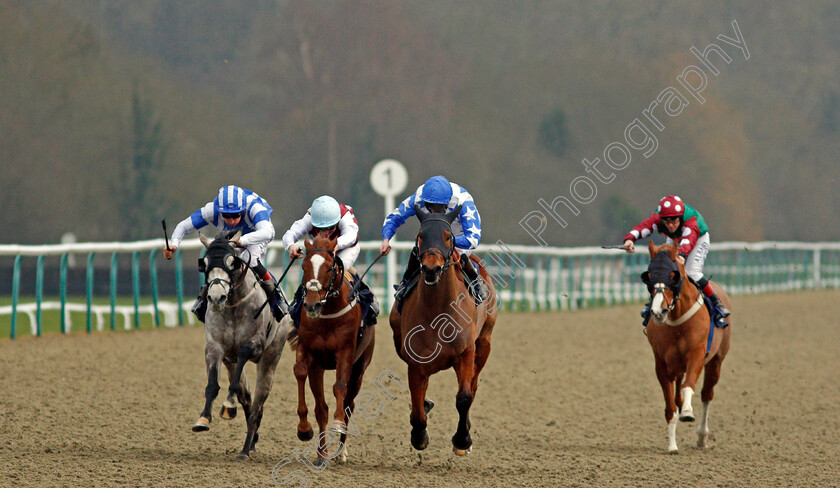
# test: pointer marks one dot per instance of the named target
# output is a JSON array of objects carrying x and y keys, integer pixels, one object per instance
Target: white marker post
[{"x": 389, "y": 178}]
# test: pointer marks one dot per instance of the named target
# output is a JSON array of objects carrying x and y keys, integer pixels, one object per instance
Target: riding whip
[
  {"x": 276, "y": 285},
  {"x": 614, "y": 247},
  {"x": 356, "y": 285},
  {"x": 165, "y": 235}
]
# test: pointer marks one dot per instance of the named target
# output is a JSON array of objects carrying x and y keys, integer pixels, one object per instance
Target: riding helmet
[
  {"x": 231, "y": 199},
  {"x": 671, "y": 206},
  {"x": 325, "y": 212},
  {"x": 436, "y": 190}
]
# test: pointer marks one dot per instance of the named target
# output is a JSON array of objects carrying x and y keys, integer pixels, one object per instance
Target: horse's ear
[
  {"x": 204, "y": 239},
  {"x": 421, "y": 212},
  {"x": 334, "y": 234},
  {"x": 673, "y": 253},
  {"x": 236, "y": 235},
  {"x": 307, "y": 243},
  {"x": 675, "y": 277},
  {"x": 451, "y": 216},
  {"x": 645, "y": 276},
  {"x": 652, "y": 249}
]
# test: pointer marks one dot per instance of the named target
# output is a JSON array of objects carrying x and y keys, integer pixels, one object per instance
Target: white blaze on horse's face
[
  {"x": 219, "y": 290},
  {"x": 656, "y": 307},
  {"x": 314, "y": 285}
]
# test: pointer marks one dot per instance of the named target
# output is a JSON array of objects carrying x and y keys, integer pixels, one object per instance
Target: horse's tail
[{"x": 292, "y": 339}]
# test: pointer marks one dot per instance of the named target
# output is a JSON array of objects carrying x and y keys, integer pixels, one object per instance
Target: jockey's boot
[
  {"x": 276, "y": 301},
  {"x": 719, "y": 305},
  {"x": 296, "y": 306},
  {"x": 412, "y": 269},
  {"x": 373, "y": 307},
  {"x": 646, "y": 314},
  {"x": 477, "y": 288},
  {"x": 199, "y": 308}
]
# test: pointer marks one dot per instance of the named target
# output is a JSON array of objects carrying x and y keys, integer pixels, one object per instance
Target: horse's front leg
[
  {"x": 265, "y": 378},
  {"x": 245, "y": 353},
  {"x": 667, "y": 384},
  {"x": 694, "y": 361},
  {"x": 243, "y": 394},
  {"x": 343, "y": 370},
  {"x": 303, "y": 362},
  {"x": 212, "y": 358},
  {"x": 464, "y": 370},
  {"x": 418, "y": 384},
  {"x": 322, "y": 411}
]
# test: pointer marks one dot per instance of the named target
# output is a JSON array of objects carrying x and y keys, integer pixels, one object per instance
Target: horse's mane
[{"x": 322, "y": 239}]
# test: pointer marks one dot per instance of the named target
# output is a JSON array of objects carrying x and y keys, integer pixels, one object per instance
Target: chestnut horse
[
  {"x": 679, "y": 336},
  {"x": 441, "y": 327},
  {"x": 328, "y": 338}
]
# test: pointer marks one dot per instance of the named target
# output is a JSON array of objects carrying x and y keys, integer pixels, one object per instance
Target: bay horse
[
  {"x": 235, "y": 336},
  {"x": 679, "y": 335},
  {"x": 441, "y": 327},
  {"x": 328, "y": 338}
]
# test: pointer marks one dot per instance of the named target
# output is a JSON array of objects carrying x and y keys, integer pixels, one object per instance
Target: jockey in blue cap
[
  {"x": 235, "y": 209},
  {"x": 438, "y": 195},
  {"x": 327, "y": 215}
]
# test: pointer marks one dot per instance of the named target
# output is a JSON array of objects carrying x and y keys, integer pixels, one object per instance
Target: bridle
[
  {"x": 216, "y": 260},
  {"x": 658, "y": 285},
  {"x": 448, "y": 260},
  {"x": 336, "y": 270}
]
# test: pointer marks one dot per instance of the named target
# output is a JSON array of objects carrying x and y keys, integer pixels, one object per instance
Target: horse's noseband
[
  {"x": 447, "y": 259},
  {"x": 335, "y": 270},
  {"x": 218, "y": 260}
]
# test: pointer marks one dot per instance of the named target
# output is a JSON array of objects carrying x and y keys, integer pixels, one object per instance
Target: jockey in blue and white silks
[
  {"x": 439, "y": 195},
  {"x": 235, "y": 209}
]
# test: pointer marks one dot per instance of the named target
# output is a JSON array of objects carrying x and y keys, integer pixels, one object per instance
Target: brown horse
[
  {"x": 441, "y": 327},
  {"x": 679, "y": 335},
  {"x": 328, "y": 338}
]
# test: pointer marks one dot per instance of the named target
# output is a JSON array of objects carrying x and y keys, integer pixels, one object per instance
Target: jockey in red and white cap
[{"x": 684, "y": 228}]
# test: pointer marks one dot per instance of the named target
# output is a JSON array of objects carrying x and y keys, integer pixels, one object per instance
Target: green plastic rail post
[
  {"x": 113, "y": 272},
  {"x": 89, "y": 291},
  {"x": 39, "y": 294},
  {"x": 179, "y": 286},
  {"x": 63, "y": 286},
  {"x": 153, "y": 279},
  {"x": 15, "y": 292},
  {"x": 135, "y": 285}
]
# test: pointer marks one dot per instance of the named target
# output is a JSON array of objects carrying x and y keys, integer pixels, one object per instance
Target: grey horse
[{"x": 236, "y": 334}]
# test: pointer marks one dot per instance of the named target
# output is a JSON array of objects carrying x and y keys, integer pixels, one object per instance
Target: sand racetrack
[{"x": 566, "y": 399}]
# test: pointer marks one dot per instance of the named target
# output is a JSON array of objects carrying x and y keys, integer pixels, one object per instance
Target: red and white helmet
[{"x": 671, "y": 206}]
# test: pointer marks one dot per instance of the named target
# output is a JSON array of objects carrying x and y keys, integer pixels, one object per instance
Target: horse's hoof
[
  {"x": 242, "y": 457},
  {"x": 673, "y": 451},
  {"x": 420, "y": 441},
  {"x": 461, "y": 452},
  {"x": 687, "y": 417},
  {"x": 227, "y": 413},
  {"x": 202, "y": 425},
  {"x": 342, "y": 458},
  {"x": 306, "y": 436},
  {"x": 428, "y": 405},
  {"x": 320, "y": 462}
]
